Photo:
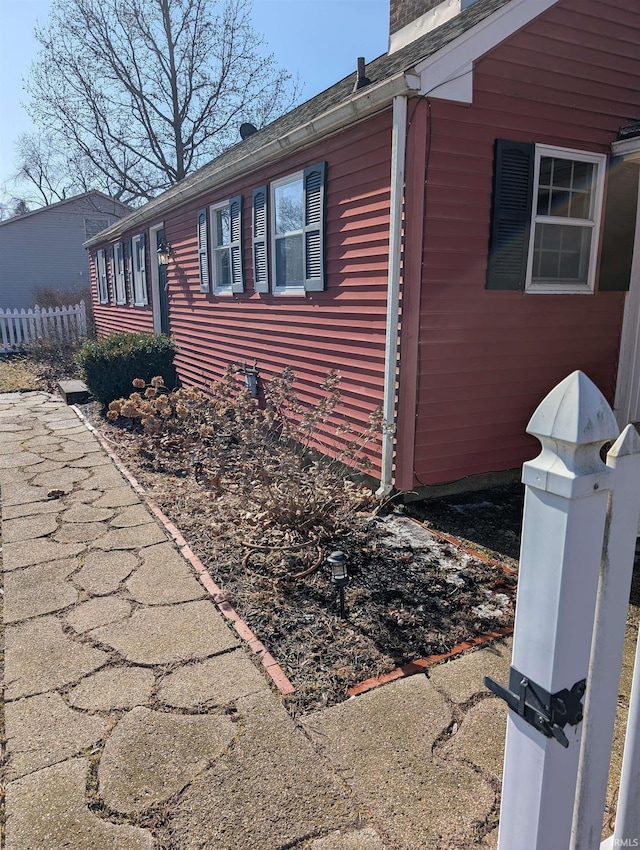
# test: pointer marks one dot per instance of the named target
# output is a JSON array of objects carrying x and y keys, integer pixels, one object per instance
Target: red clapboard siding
[
  {"x": 486, "y": 359},
  {"x": 110, "y": 318},
  {"x": 342, "y": 328}
]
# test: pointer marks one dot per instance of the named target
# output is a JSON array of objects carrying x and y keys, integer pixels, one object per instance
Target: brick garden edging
[{"x": 241, "y": 628}]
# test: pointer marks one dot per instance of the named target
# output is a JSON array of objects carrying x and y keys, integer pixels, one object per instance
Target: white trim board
[{"x": 448, "y": 74}]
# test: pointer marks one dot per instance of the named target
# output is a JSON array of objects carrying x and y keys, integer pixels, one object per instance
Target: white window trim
[
  {"x": 600, "y": 161},
  {"x": 140, "y": 295},
  {"x": 283, "y": 181},
  {"x": 216, "y": 249},
  {"x": 101, "y": 276}
]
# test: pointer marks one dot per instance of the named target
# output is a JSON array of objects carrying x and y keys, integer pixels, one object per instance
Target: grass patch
[{"x": 14, "y": 376}]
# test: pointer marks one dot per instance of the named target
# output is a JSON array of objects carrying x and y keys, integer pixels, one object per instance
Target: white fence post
[
  {"x": 608, "y": 641},
  {"x": 563, "y": 527}
]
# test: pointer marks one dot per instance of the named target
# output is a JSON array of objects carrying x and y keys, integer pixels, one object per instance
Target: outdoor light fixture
[
  {"x": 339, "y": 575},
  {"x": 164, "y": 252}
]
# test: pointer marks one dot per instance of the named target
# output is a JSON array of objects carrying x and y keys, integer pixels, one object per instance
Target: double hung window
[{"x": 567, "y": 204}]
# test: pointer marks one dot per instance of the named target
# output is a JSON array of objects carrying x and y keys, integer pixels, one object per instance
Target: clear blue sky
[{"x": 342, "y": 31}]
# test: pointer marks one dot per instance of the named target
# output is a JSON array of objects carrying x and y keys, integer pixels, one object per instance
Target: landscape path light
[{"x": 339, "y": 575}]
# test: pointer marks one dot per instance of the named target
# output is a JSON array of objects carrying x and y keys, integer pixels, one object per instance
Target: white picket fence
[
  {"x": 579, "y": 533},
  {"x": 19, "y": 329}
]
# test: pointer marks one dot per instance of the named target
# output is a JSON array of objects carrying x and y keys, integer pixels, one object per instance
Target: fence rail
[{"x": 19, "y": 329}]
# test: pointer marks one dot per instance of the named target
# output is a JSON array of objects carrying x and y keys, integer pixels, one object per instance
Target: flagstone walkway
[{"x": 136, "y": 719}]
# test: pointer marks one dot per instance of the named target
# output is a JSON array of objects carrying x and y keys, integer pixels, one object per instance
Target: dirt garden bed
[
  {"x": 411, "y": 594},
  {"x": 263, "y": 525}
]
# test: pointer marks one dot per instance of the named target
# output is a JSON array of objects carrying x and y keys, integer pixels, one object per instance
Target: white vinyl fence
[
  {"x": 21, "y": 328},
  {"x": 579, "y": 533}
]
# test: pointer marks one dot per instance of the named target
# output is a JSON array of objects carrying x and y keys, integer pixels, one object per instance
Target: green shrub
[{"x": 109, "y": 365}]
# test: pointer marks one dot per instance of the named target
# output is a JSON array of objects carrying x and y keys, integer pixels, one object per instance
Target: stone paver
[
  {"x": 269, "y": 791},
  {"x": 20, "y": 459},
  {"x": 51, "y": 506},
  {"x": 164, "y": 577},
  {"x": 382, "y": 743},
  {"x": 86, "y": 513},
  {"x": 464, "y": 678},
  {"x": 103, "y": 571},
  {"x": 126, "y": 538},
  {"x": 216, "y": 681},
  {"x": 131, "y": 516},
  {"x": 102, "y": 478},
  {"x": 38, "y": 551},
  {"x": 164, "y": 634},
  {"x": 19, "y": 493},
  {"x": 16, "y": 530},
  {"x": 471, "y": 739},
  {"x": 43, "y": 730},
  {"x": 47, "y": 811},
  {"x": 118, "y": 497},
  {"x": 80, "y": 532},
  {"x": 151, "y": 756},
  {"x": 60, "y": 479},
  {"x": 113, "y": 688},
  {"x": 40, "y": 657},
  {"x": 98, "y": 612},
  {"x": 37, "y": 590}
]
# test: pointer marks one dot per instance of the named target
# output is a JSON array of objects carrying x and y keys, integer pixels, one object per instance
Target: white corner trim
[{"x": 452, "y": 63}]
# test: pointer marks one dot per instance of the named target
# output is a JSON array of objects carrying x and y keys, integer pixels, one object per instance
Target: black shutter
[
  {"x": 143, "y": 269},
  {"x": 203, "y": 251},
  {"x": 619, "y": 231},
  {"x": 259, "y": 232},
  {"x": 313, "y": 230},
  {"x": 129, "y": 269},
  {"x": 510, "y": 215},
  {"x": 235, "y": 215}
]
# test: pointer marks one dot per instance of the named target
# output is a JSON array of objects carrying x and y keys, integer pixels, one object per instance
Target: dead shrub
[{"x": 273, "y": 453}]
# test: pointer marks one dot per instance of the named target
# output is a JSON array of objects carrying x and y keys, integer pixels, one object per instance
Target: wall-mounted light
[{"x": 165, "y": 252}]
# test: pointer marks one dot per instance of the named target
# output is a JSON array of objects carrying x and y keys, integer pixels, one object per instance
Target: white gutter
[
  {"x": 398, "y": 149},
  {"x": 361, "y": 105}
]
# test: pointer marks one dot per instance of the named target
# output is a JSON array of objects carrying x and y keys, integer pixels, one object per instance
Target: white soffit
[
  {"x": 627, "y": 148},
  {"x": 448, "y": 74}
]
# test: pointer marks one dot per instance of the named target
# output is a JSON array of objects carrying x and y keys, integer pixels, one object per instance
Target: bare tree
[{"x": 140, "y": 93}]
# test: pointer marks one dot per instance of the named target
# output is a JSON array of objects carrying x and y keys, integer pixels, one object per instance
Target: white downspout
[{"x": 398, "y": 148}]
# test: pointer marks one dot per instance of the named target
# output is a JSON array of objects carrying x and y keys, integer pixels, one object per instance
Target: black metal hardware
[{"x": 548, "y": 713}]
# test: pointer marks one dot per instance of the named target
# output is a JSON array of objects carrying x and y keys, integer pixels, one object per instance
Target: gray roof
[
  {"x": 377, "y": 71},
  {"x": 74, "y": 199}
]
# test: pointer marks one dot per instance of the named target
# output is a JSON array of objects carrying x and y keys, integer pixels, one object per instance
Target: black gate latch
[{"x": 546, "y": 712}]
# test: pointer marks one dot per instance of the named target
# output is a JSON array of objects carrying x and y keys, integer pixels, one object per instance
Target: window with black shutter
[{"x": 547, "y": 206}]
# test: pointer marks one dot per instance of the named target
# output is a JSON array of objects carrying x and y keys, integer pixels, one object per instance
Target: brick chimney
[{"x": 410, "y": 19}]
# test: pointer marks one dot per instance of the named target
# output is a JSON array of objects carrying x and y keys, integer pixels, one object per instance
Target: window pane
[
  {"x": 223, "y": 227},
  {"x": 289, "y": 261},
  {"x": 560, "y": 202},
  {"x": 579, "y": 205},
  {"x": 223, "y": 267},
  {"x": 562, "y": 171},
  {"x": 288, "y": 212},
  {"x": 546, "y": 163},
  {"x": 544, "y": 202}
]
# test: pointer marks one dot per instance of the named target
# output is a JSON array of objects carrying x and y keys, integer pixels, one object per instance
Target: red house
[{"x": 453, "y": 229}]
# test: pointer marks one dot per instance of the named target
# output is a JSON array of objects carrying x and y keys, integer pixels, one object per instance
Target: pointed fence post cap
[{"x": 574, "y": 412}]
